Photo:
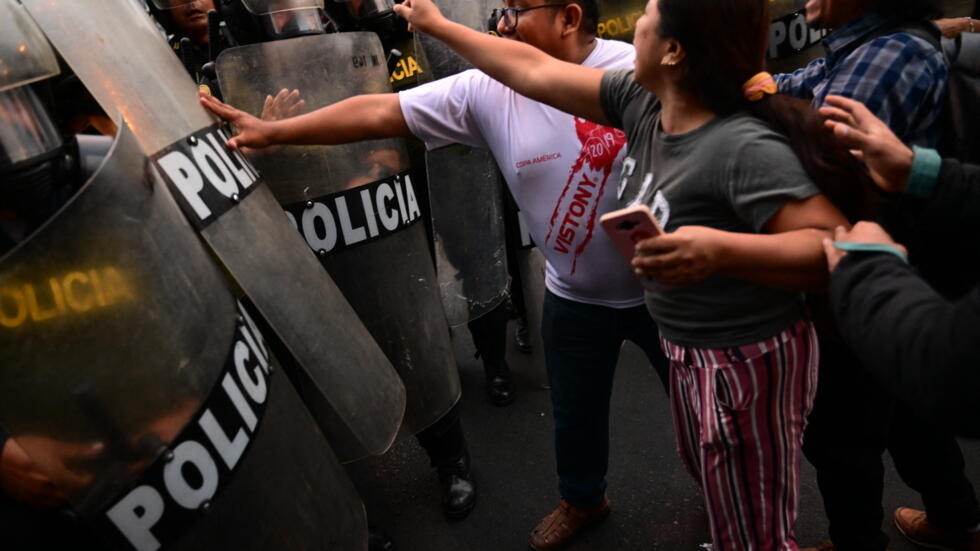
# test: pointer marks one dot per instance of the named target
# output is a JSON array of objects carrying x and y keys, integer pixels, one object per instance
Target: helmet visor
[
  {"x": 366, "y": 9},
  {"x": 26, "y": 131},
  {"x": 25, "y": 55},
  {"x": 288, "y": 24},
  {"x": 263, "y": 7}
]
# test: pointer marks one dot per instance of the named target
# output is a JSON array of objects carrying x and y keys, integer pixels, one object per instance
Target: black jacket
[{"x": 925, "y": 346}]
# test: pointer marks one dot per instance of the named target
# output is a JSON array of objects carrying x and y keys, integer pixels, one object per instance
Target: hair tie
[{"x": 759, "y": 87}]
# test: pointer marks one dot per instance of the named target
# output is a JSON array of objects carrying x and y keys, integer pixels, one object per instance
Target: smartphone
[{"x": 626, "y": 227}]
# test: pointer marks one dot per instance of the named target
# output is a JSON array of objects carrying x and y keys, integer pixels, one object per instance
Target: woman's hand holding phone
[{"x": 688, "y": 255}]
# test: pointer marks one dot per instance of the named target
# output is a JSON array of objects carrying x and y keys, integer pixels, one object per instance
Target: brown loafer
[
  {"x": 825, "y": 546},
  {"x": 563, "y": 524},
  {"x": 914, "y": 525}
]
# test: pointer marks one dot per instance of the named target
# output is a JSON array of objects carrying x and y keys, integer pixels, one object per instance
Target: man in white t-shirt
[{"x": 562, "y": 172}]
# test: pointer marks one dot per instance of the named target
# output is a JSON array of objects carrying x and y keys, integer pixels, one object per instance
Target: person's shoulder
[
  {"x": 905, "y": 46},
  {"x": 469, "y": 79},
  {"x": 743, "y": 131},
  {"x": 745, "y": 125},
  {"x": 612, "y": 54},
  {"x": 622, "y": 82}
]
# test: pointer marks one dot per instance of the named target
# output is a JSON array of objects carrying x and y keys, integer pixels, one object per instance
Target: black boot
[
  {"x": 490, "y": 338},
  {"x": 379, "y": 541},
  {"x": 445, "y": 443},
  {"x": 458, "y": 490},
  {"x": 500, "y": 388},
  {"x": 522, "y": 336}
]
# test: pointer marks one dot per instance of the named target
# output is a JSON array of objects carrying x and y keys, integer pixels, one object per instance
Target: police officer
[
  {"x": 186, "y": 23},
  {"x": 444, "y": 440}
]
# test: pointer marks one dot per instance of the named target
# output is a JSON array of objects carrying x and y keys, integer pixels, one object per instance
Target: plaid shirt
[{"x": 899, "y": 77}]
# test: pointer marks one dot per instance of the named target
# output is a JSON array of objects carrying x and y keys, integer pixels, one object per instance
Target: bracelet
[{"x": 970, "y": 21}]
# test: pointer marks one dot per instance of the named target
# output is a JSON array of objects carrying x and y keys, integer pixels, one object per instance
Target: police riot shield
[
  {"x": 475, "y": 14},
  {"x": 617, "y": 18},
  {"x": 138, "y": 385},
  {"x": 465, "y": 190},
  {"x": 265, "y": 7},
  {"x": 465, "y": 197},
  {"x": 25, "y": 55},
  {"x": 792, "y": 43},
  {"x": 357, "y": 206},
  {"x": 343, "y": 375}
]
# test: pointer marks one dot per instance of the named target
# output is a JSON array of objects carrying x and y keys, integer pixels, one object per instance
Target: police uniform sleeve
[{"x": 920, "y": 345}]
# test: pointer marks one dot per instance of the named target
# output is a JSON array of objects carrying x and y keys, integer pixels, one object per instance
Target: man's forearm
[
  {"x": 365, "y": 117},
  {"x": 570, "y": 87}
]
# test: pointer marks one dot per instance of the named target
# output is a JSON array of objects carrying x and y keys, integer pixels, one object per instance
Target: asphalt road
[{"x": 656, "y": 505}]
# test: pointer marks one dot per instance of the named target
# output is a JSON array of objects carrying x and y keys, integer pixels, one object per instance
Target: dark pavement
[{"x": 656, "y": 505}]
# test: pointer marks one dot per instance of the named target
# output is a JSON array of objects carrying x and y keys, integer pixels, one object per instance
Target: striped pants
[{"x": 739, "y": 415}]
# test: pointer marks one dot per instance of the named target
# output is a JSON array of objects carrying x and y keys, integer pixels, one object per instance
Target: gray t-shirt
[{"x": 733, "y": 174}]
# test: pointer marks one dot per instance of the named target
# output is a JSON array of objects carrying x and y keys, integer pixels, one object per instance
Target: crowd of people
[
  {"x": 803, "y": 304},
  {"x": 755, "y": 195}
]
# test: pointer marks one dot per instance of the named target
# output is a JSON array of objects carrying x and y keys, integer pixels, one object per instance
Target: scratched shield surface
[
  {"x": 116, "y": 326},
  {"x": 349, "y": 384},
  {"x": 359, "y": 207}
]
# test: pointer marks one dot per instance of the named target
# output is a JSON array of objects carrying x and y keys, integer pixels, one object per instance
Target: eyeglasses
[{"x": 507, "y": 17}]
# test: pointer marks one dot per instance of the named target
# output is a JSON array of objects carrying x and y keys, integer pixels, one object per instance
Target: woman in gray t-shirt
[{"x": 746, "y": 225}]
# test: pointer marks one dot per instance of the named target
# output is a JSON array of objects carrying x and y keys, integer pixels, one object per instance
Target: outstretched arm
[
  {"x": 529, "y": 71},
  {"x": 366, "y": 117}
]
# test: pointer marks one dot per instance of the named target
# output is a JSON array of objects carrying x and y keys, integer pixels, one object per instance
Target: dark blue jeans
[{"x": 581, "y": 345}]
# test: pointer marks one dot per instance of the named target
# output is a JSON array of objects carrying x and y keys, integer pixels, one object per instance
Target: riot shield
[
  {"x": 475, "y": 14},
  {"x": 792, "y": 43},
  {"x": 468, "y": 226},
  {"x": 617, "y": 18},
  {"x": 408, "y": 63},
  {"x": 357, "y": 206},
  {"x": 25, "y": 55},
  {"x": 139, "y": 387},
  {"x": 344, "y": 377},
  {"x": 265, "y": 7},
  {"x": 465, "y": 197}
]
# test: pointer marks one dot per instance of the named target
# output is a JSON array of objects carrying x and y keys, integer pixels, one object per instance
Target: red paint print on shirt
[{"x": 573, "y": 220}]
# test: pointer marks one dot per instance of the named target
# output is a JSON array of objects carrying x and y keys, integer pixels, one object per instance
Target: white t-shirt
[{"x": 563, "y": 171}]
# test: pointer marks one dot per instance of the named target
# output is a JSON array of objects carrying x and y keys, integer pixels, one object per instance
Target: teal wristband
[
  {"x": 853, "y": 247},
  {"x": 925, "y": 172}
]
